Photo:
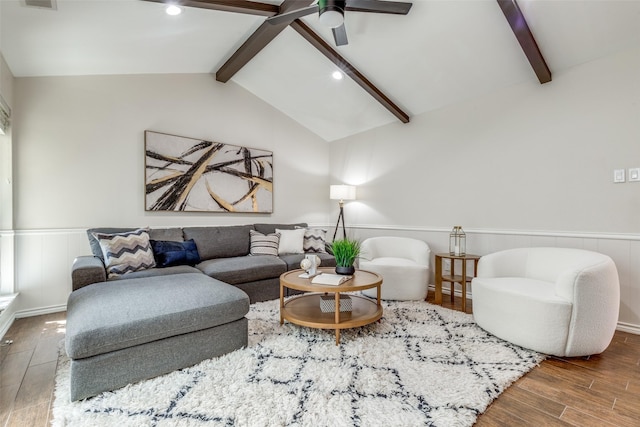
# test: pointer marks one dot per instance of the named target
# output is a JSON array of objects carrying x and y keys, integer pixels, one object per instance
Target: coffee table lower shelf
[{"x": 304, "y": 310}]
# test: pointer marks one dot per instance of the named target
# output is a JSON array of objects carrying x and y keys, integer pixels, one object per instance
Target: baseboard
[
  {"x": 7, "y": 315},
  {"x": 6, "y": 320},
  {"x": 40, "y": 311},
  {"x": 628, "y": 327}
]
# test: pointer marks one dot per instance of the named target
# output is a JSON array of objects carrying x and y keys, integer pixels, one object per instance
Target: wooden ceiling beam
[
  {"x": 267, "y": 32},
  {"x": 305, "y": 31},
  {"x": 528, "y": 43},
  {"x": 257, "y": 41}
]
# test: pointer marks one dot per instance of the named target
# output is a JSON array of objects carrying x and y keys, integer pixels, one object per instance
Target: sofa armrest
[{"x": 87, "y": 270}]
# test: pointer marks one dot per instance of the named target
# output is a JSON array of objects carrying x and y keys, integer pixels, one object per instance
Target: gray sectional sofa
[
  {"x": 146, "y": 323},
  {"x": 224, "y": 254}
]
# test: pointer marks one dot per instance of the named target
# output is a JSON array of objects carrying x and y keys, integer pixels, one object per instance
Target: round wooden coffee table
[{"x": 304, "y": 310}]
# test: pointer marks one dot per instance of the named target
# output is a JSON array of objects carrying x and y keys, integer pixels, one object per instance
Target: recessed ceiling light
[
  {"x": 337, "y": 75},
  {"x": 173, "y": 10}
]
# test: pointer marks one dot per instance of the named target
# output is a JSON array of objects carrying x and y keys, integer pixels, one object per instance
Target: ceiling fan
[
  {"x": 286, "y": 14},
  {"x": 331, "y": 13}
]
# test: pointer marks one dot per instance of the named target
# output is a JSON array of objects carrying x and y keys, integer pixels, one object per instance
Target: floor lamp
[{"x": 341, "y": 193}]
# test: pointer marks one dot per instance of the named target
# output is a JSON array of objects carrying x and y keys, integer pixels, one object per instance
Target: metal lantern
[{"x": 457, "y": 242}]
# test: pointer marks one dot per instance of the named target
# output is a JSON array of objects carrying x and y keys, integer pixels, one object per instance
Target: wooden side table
[{"x": 453, "y": 278}]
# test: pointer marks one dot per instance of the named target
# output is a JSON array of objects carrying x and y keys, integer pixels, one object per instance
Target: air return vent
[{"x": 41, "y": 4}]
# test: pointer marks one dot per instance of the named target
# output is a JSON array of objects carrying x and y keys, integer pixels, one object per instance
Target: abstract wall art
[{"x": 194, "y": 175}]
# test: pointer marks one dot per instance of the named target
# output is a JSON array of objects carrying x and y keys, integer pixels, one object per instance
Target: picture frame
[{"x": 185, "y": 174}]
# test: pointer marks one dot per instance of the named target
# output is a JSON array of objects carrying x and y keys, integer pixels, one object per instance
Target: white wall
[
  {"x": 79, "y": 163},
  {"x": 530, "y": 165}
]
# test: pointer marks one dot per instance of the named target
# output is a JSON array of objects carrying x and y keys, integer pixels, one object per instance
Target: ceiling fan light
[
  {"x": 331, "y": 13},
  {"x": 331, "y": 18},
  {"x": 173, "y": 10}
]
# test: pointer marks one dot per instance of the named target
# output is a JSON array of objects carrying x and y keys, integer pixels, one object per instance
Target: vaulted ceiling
[{"x": 441, "y": 53}]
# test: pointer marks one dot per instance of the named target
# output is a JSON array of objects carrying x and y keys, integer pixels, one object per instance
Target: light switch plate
[
  {"x": 634, "y": 174},
  {"x": 618, "y": 175}
]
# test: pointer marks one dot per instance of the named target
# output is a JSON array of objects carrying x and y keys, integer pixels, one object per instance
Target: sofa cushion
[
  {"x": 264, "y": 245},
  {"x": 173, "y": 234},
  {"x": 169, "y": 253},
  {"x": 243, "y": 269},
  {"x": 153, "y": 272},
  {"x": 126, "y": 252},
  {"x": 293, "y": 260},
  {"x": 271, "y": 228},
  {"x": 109, "y": 316},
  {"x": 220, "y": 242}
]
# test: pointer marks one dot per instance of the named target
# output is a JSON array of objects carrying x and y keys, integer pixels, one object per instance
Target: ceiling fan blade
[
  {"x": 239, "y": 6},
  {"x": 289, "y": 17},
  {"x": 340, "y": 35},
  {"x": 379, "y": 6}
]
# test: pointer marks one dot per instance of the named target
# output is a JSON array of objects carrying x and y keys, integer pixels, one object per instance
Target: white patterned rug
[{"x": 420, "y": 365}]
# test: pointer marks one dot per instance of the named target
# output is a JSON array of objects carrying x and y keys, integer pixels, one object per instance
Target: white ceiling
[{"x": 442, "y": 52}]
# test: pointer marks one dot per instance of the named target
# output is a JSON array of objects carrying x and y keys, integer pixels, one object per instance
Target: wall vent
[{"x": 41, "y": 4}]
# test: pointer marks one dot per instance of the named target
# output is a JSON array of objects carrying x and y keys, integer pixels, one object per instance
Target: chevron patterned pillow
[
  {"x": 314, "y": 240},
  {"x": 126, "y": 252}
]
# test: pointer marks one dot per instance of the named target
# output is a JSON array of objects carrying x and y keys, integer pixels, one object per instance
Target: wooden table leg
[
  {"x": 337, "y": 319},
  {"x": 453, "y": 283},
  {"x": 281, "y": 302},
  {"x": 438, "y": 299},
  {"x": 464, "y": 285}
]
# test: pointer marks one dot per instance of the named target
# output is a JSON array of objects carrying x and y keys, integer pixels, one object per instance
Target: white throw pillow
[{"x": 291, "y": 241}]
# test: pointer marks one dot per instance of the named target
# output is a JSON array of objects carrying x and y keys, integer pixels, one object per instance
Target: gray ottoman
[{"x": 122, "y": 332}]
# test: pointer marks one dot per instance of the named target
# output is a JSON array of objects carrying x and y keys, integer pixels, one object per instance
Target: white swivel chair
[
  {"x": 403, "y": 264},
  {"x": 557, "y": 301}
]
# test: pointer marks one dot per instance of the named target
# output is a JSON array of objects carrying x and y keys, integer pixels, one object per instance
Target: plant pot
[{"x": 346, "y": 270}]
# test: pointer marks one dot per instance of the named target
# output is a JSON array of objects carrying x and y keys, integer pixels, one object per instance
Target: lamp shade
[{"x": 342, "y": 192}]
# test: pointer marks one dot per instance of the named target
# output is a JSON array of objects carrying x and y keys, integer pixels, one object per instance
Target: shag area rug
[{"x": 420, "y": 365}]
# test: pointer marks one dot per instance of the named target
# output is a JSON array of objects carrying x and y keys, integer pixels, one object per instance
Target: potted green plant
[{"x": 345, "y": 251}]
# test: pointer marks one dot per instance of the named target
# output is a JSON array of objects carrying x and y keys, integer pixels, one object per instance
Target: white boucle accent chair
[
  {"x": 558, "y": 301},
  {"x": 403, "y": 264}
]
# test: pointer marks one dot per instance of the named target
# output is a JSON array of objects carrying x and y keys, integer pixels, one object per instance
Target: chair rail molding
[{"x": 545, "y": 233}]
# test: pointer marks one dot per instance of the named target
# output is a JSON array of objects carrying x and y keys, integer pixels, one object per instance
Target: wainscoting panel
[
  {"x": 44, "y": 258},
  {"x": 624, "y": 249},
  {"x": 43, "y": 268}
]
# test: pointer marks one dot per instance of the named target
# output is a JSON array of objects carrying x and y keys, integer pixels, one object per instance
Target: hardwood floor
[
  {"x": 27, "y": 369},
  {"x": 602, "y": 390}
]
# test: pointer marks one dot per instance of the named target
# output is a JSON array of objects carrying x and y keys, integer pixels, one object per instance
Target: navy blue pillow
[{"x": 175, "y": 253}]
